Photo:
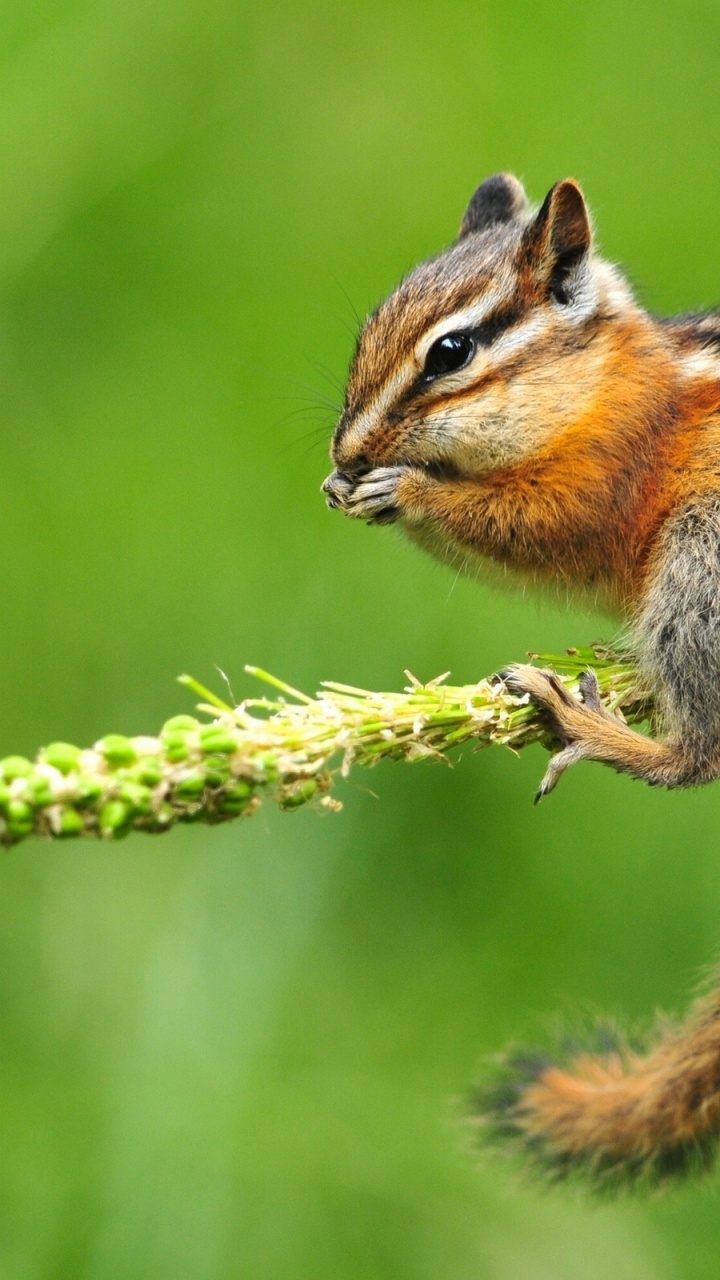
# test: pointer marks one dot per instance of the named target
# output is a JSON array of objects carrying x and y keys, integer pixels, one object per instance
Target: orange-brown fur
[
  {"x": 623, "y": 1115},
  {"x": 512, "y": 402}
]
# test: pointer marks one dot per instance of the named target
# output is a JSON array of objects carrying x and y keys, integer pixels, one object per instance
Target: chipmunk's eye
[{"x": 449, "y": 354}]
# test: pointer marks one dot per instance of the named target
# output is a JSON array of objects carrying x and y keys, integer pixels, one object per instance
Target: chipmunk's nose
[{"x": 351, "y": 471}]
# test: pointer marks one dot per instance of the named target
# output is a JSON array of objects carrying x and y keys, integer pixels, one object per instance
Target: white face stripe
[{"x": 373, "y": 413}]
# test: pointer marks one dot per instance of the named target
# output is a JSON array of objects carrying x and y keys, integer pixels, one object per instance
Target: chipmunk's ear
[
  {"x": 558, "y": 239},
  {"x": 499, "y": 199}
]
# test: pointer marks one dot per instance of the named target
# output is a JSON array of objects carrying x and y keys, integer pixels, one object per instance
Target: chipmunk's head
[{"x": 455, "y": 369}]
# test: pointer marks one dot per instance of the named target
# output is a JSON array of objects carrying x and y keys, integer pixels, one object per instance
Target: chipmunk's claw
[
  {"x": 562, "y": 712},
  {"x": 557, "y": 765},
  {"x": 590, "y": 692}
]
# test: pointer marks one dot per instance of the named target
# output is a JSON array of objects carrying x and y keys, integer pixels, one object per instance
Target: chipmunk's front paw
[
  {"x": 574, "y": 723},
  {"x": 373, "y": 496}
]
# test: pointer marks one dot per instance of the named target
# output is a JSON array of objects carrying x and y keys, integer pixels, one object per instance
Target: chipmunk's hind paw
[{"x": 566, "y": 717}]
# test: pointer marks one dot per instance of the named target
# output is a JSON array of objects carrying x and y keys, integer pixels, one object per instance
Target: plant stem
[{"x": 290, "y": 748}]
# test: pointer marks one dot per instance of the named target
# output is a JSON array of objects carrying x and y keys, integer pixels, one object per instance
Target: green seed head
[
  {"x": 235, "y": 797},
  {"x": 17, "y": 831},
  {"x": 231, "y": 807},
  {"x": 240, "y": 789}
]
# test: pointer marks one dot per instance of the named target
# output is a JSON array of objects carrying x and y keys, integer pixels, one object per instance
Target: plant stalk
[{"x": 289, "y": 748}]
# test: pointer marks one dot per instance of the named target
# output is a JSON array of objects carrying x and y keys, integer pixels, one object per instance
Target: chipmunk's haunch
[{"x": 512, "y": 402}]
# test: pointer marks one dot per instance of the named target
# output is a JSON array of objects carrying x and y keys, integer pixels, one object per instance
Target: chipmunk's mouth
[
  {"x": 372, "y": 493},
  {"x": 340, "y": 484}
]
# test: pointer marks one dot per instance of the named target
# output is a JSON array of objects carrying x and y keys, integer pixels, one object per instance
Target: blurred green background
[{"x": 237, "y": 1053}]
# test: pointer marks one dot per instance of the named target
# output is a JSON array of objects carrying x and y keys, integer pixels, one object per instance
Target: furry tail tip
[{"x": 602, "y": 1113}]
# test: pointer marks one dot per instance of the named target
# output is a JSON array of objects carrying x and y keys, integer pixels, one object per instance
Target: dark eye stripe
[
  {"x": 483, "y": 335},
  {"x": 491, "y": 329}
]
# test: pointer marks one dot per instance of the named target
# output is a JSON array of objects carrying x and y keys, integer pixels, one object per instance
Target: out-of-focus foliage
[{"x": 236, "y": 1053}]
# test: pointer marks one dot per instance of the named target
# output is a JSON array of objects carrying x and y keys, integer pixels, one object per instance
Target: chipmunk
[{"x": 512, "y": 402}]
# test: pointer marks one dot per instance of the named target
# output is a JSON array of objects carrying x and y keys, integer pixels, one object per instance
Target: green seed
[
  {"x": 114, "y": 815},
  {"x": 232, "y": 807},
  {"x": 40, "y": 791},
  {"x": 238, "y": 790},
  {"x": 215, "y": 738},
  {"x": 190, "y": 787},
  {"x": 63, "y": 756},
  {"x": 267, "y": 764},
  {"x": 88, "y": 790},
  {"x": 299, "y": 795},
  {"x": 188, "y": 724},
  {"x": 177, "y": 747},
  {"x": 136, "y": 796},
  {"x": 19, "y": 811},
  {"x": 117, "y": 750},
  {"x": 148, "y": 771},
  {"x": 158, "y": 820},
  {"x": 18, "y": 830},
  {"x": 71, "y": 823},
  {"x": 235, "y": 798},
  {"x": 15, "y": 767},
  {"x": 217, "y": 770}
]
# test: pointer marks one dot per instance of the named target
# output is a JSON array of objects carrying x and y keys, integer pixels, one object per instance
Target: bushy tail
[{"x": 609, "y": 1113}]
